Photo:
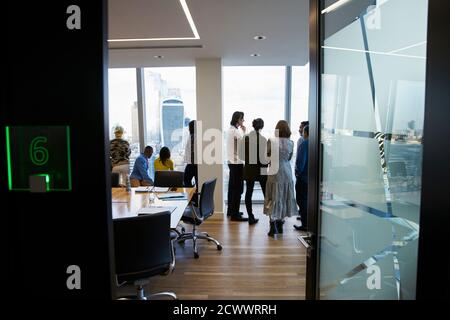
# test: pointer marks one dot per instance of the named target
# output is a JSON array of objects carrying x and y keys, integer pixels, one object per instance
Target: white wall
[{"x": 209, "y": 111}]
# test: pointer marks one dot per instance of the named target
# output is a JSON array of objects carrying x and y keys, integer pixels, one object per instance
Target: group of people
[
  {"x": 120, "y": 160},
  {"x": 251, "y": 158}
]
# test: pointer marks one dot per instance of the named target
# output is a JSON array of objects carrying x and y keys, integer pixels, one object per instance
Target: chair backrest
[
  {"x": 115, "y": 177},
  {"x": 169, "y": 178},
  {"x": 207, "y": 198},
  {"x": 142, "y": 245}
]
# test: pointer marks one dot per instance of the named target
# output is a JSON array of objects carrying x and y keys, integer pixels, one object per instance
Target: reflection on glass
[{"x": 372, "y": 108}]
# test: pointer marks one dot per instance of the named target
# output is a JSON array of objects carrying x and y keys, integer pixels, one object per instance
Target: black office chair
[
  {"x": 115, "y": 178},
  {"x": 197, "y": 215},
  {"x": 143, "y": 249},
  {"x": 169, "y": 178}
]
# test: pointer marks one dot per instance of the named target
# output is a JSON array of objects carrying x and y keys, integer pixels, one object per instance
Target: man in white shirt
[{"x": 236, "y": 181}]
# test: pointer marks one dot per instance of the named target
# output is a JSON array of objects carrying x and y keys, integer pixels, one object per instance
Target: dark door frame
[
  {"x": 314, "y": 161},
  {"x": 433, "y": 272}
]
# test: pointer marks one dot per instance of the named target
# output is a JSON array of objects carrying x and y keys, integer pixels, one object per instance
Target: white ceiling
[{"x": 226, "y": 29}]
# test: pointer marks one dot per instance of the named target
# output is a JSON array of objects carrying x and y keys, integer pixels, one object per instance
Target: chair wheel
[
  {"x": 196, "y": 255},
  {"x": 219, "y": 247}
]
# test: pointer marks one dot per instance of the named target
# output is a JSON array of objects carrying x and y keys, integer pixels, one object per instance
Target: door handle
[{"x": 306, "y": 241}]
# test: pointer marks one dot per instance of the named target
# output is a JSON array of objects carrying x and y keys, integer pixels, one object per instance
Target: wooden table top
[{"x": 127, "y": 204}]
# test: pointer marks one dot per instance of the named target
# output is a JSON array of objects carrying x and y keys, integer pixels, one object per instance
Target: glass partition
[{"x": 372, "y": 114}]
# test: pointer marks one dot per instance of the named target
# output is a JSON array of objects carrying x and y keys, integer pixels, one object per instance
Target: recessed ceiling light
[
  {"x": 255, "y": 55},
  {"x": 158, "y": 57},
  {"x": 259, "y": 37}
]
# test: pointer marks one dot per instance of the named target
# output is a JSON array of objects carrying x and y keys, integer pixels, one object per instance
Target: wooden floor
[{"x": 251, "y": 265}]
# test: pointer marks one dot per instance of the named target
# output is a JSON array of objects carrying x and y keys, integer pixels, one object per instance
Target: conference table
[{"x": 127, "y": 204}]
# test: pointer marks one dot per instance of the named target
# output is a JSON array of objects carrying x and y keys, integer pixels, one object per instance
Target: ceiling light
[
  {"x": 158, "y": 57},
  {"x": 189, "y": 19},
  {"x": 255, "y": 55},
  {"x": 259, "y": 37},
  {"x": 334, "y": 6}
]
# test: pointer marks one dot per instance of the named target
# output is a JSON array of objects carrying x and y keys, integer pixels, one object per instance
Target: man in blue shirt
[
  {"x": 139, "y": 176},
  {"x": 301, "y": 173}
]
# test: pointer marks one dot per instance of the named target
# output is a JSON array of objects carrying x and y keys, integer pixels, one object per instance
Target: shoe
[
  {"x": 238, "y": 218},
  {"x": 273, "y": 229},
  {"x": 252, "y": 221},
  {"x": 279, "y": 224},
  {"x": 229, "y": 214},
  {"x": 300, "y": 228}
]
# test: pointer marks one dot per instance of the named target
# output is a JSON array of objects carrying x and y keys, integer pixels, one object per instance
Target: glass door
[{"x": 371, "y": 113}]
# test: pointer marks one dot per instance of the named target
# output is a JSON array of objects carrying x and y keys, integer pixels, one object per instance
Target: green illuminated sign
[
  {"x": 38, "y": 153},
  {"x": 38, "y": 158}
]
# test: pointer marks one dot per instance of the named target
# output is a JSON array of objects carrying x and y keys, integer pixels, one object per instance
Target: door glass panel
[{"x": 372, "y": 114}]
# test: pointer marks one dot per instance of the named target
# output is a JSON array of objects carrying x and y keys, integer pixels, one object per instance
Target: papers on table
[
  {"x": 172, "y": 196},
  {"x": 160, "y": 189},
  {"x": 152, "y": 189},
  {"x": 155, "y": 209},
  {"x": 143, "y": 189}
]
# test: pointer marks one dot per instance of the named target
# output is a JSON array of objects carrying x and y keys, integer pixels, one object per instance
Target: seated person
[
  {"x": 163, "y": 162},
  {"x": 139, "y": 176}
]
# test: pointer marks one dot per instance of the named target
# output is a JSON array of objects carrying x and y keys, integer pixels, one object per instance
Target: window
[
  {"x": 169, "y": 106},
  {"x": 259, "y": 93},
  {"x": 299, "y": 98},
  {"x": 123, "y": 107}
]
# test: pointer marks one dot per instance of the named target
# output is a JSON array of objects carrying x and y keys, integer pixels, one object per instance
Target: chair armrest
[{"x": 195, "y": 213}]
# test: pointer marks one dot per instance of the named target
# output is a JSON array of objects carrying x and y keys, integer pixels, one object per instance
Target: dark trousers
[
  {"x": 250, "y": 184},
  {"x": 301, "y": 193},
  {"x": 191, "y": 171},
  {"x": 235, "y": 188}
]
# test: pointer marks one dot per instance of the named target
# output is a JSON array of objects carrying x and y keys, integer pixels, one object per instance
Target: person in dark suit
[
  {"x": 301, "y": 172},
  {"x": 303, "y": 124},
  {"x": 253, "y": 151}
]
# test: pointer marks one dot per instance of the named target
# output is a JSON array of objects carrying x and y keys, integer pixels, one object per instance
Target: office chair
[
  {"x": 169, "y": 179},
  {"x": 115, "y": 178},
  {"x": 197, "y": 215},
  {"x": 143, "y": 249}
]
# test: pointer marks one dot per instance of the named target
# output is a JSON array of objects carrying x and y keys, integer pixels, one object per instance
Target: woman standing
[
  {"x": 119, "y": 152},
  {"x": 279, "y": 201}
]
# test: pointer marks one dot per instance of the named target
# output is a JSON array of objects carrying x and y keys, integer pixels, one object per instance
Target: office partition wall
[{"x": 369, "y": 78}]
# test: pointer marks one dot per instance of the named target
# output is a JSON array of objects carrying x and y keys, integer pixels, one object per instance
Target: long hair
[
  {"x": 283, "y": 129},
  {"x": 237, "y": 115},
  {"x": 164, "y": 154}
]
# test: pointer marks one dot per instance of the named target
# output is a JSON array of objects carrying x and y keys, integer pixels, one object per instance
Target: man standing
[
  {"x": 139, "y": 176},
  {"x": 297, "y": 181},
  {"x": 301, "y": 173},
  {"x": 236, "y": 182}
]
